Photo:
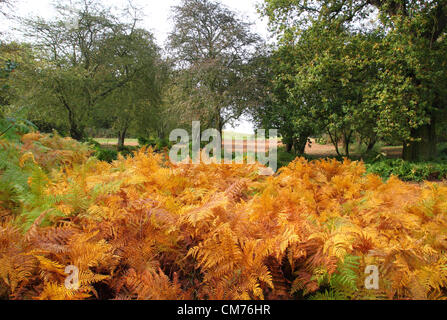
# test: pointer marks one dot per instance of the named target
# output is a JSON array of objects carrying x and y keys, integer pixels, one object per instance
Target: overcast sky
[
  {"x": 156, "y": 13},
  {"x": 156, "y": 19}
]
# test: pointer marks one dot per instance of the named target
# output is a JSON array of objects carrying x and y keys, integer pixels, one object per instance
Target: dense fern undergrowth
[{"x": 143, "y": 228}]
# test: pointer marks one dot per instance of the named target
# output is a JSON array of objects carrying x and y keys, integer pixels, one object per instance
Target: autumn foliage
[{"x": 143, "y": 228}]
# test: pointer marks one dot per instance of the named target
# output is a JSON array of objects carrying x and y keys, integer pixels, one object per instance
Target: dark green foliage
[
  {"x": 5, "y": 72},
  {"x": 105, "y": 154},
  {"x": 158, "y": 144},
  {"x": 442, "y": 151},
  {"x": 127, "y": 151},
  {"x": 142, "y": 141},
  {"x": 95, "y": 144},
  {"x": 409, "y": 171},
  {"x": 48, "y": 126},
  {"x": 284, "y": 157},
  {"x": 111, "y": 154},
  {"x": 163, "y": 143}
]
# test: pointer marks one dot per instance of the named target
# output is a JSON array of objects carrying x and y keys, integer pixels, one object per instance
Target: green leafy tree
[
  {"x": 275, "y": 110},
  {"x": 8, "y": 64},
  {"x": 212, "y": 46},
  {"x": 136, "y": 102},
  {"x": 13, "y": 117},
  {"x": 395, "y": 77},
  {"x": 81, "y": 63}
]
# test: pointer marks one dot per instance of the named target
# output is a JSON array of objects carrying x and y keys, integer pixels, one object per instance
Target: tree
[
  {"x": 335, "y": 82},
  {"x": 80, "y": 64},
  {"x": 275, "y": 110},
  {"x": 5, "y": 5},
  {"x": 135, "y": 102},
  {"x": 212, "y": 46},
  {"x": 407, "y": 92},
  {"x": 318, "y": 83},
  {"x": 8, "y": 64}
]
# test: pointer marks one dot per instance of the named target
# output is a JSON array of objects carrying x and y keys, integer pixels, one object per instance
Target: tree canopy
[
  {"x": 374, "y": 65},
  {"x": 212, "y": 47},
  {"x": 79, "y": 68}
]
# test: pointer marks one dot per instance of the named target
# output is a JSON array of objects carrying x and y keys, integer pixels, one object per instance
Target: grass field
[
  {"x": 134, "y": 142},
  {"x": 114, "y": 141},
  {"x": 313, "y": 149}
]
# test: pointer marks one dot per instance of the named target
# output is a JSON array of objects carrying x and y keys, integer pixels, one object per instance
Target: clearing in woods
[{"x": 312, "y": 149}]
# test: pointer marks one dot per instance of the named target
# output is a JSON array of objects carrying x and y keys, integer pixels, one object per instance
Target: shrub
[
  {"x": 158, "y": 144},
  {"x": 95, "y": 144},
  {"x": 106, "y": 154},
  {"x": 442, "y": 151},
  {"x": 284, "y": 157},
  {"x": 409, "y": 171},
  {"x": 127, "y": 151},
  {"x": 147, "y": 142},
  {"x": 163, "y": 143}
]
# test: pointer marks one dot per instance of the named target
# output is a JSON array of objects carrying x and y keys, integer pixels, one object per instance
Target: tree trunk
[
  {"x": 287, "y": 140},
  {"x": 76, "y": 132},
  {"x": 425, "y": 148},
  {"x": 334, "y": 140},
  {"x": 289, "y": 147},
  {"x": 370, "y": 145},
  {"x": 347, "y": 142},
  {"x": 219, "y": 124},
  {"x": 301, "y": 143},
  {"x": 121, "y": 138}
]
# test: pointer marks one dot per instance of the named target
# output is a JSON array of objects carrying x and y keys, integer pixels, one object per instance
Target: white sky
[
  {"x": 156, "y": 13},
  {"x": 156, "y": 19}
]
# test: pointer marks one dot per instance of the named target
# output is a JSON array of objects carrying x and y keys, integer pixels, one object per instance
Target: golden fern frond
[
  {"x": 55, "y": 291},
  {"x": 154, "y": 286}
]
